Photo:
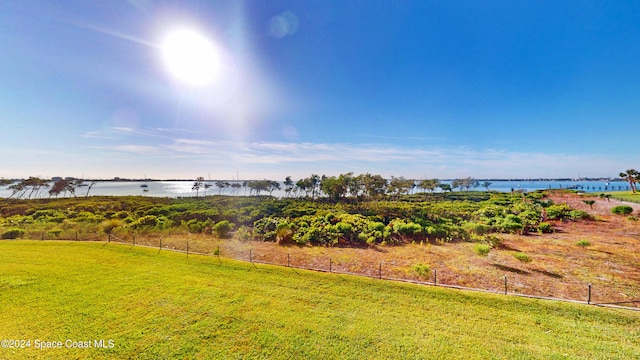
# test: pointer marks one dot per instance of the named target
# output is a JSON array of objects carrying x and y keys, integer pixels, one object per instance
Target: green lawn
[
  {"x": 625, "y": 196},
  {"x": 162, "y": 305}
]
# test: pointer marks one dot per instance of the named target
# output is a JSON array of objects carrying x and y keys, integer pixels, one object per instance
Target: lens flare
[{"x": 190, "y": 57}]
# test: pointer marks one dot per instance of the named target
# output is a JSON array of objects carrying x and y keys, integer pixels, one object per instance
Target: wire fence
[{"x": 512, "y": 284}]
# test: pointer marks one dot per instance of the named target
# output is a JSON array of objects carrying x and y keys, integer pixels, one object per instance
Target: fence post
[
  {"x": 160, "y": 248},
  {"x": 76, "y": 236},
  {"x": 288, "y": 260},
  {"x": 505, "y": 284},
  {"x": 134, "y": 240},
  {"x": 329, "y": 264},
  {"x": 250, "y": 257},
  {"x": 109, "y": 237},
  {"x": 435, "y": 277},
  {"x": 589, "y": 298},
  {"x": 380, "y": 270},
  {"x": 42, "y": 238},
  {"x": 187, "y": 247}
]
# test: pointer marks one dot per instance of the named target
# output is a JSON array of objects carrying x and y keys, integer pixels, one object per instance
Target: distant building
[{"x": 56, "y": 178}]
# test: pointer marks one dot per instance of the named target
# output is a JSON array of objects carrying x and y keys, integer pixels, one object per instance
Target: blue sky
[{"x": 421, "y": 89}]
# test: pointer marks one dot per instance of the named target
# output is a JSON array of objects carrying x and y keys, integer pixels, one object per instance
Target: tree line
[
  {"x": 337, "y": 188},
  {"x": 341, "y": 187}
]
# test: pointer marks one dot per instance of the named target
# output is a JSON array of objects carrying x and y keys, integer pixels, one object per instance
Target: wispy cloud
[{"x": 412, "y": 161}]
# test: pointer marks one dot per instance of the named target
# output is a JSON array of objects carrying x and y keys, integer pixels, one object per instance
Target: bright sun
[{"x": 190, "y": 57}]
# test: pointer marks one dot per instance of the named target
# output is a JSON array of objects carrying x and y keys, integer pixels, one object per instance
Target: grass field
[
  {"x": 163, "y": 305},
  {"x": 626, "y": 196}
]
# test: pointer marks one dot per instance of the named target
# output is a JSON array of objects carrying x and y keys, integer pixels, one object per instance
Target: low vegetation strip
[{"x": 152, "y": 304}]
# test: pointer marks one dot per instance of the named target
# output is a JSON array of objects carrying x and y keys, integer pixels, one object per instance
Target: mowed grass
[
  {"x": 163, "y": 305},
  {"x": 626, "y": 196}
]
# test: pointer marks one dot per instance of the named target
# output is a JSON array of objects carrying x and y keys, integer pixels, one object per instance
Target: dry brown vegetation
[{"x": 558, "y": 266}]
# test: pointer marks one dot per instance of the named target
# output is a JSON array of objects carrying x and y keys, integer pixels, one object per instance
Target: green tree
[
  {"x": 468, "y": 182},
  {"x": 445, "y": 187},
  {"x": 589, "y": 202},
  {"x": 374, "y": 185},
  {"x": 632, "y": 176},
  {"x": 288, "y": 186},
  {"x": 429, "y": 184},
  {"x": 197, "y": 185}
]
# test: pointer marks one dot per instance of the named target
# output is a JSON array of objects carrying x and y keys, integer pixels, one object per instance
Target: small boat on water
[{"x": 144, "y": 185}]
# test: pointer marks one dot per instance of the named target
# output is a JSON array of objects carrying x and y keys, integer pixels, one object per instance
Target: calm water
[{"x": 184, "y": 188}]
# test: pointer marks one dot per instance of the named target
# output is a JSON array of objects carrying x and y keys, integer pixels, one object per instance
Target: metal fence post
[
  {"x": 435, "y": 277},
  {"x": 250, "y": 257},
  {"x": 329, "y": 264},
  {"x": 288, "y": 260},
  {"x": 187, "y": 247},
  {"x": 589, "y": 298},
  {"x": 380, "y": 270},
  {"x": 505, "y": 284}
]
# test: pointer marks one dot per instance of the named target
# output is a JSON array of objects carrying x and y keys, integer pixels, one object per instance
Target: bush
[
  {"x": 422, "y": 270},
  {"x": 579, "y": 215},
  {"x": 476, "y": 228},
  {"x": 148, "y": 222},
  {"x": 622, "y": 210},
  {"x": 583, "y": 243},
  {"x": 511, "y": 224},
  {"x": 223, "y": 228},
  {"x": 13, "y": 233},
  {"x": 482, "y": 249},
  {"x": 109, "y": 225},
  {"x": 545, "y": 227},
  {"x": 244, "y": 233},
  {"x": 284, "y": 233},
  {"x": 522, "y": 257},
  {"x": 558, "y": 212},
  {"x": 54, "y": 233}
]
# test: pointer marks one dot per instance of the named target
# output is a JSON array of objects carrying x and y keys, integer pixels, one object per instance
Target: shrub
[
  {"x": 422, "y": 270},
  {"x": 522, "y": 257},
  {"x": 13, "y": 233},
  {"x": 579, "y": 215},
  {"x": 482, "y": 249},
  {"x": 109, "y": 225},
  {"x": 622, "y": 210},
  {"x": 148, "y": 222},
  {"x": 223, "y": 228},
  {"x": 583, "y": 243},
  {"x": 196, "y": 226},
  {"x": 266, "y": 228},
  {"x": 243, "y": 233},
  {"x": 284, "y": 233},
  {"x": 632, "y": 218},
  {"x": 511, "y": 224},
  {"x": 54, "y": 233},
  {"x": 476, "y": 228},
  {"x": 559, "y": 211},
  {"x": 545, "y": 227}
]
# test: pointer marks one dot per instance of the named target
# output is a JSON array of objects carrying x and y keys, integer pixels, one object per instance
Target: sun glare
[{"x": 190, "y": 57}]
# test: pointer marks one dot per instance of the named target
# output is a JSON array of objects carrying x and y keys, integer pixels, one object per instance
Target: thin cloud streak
[{"x": 286, "y": 157}]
